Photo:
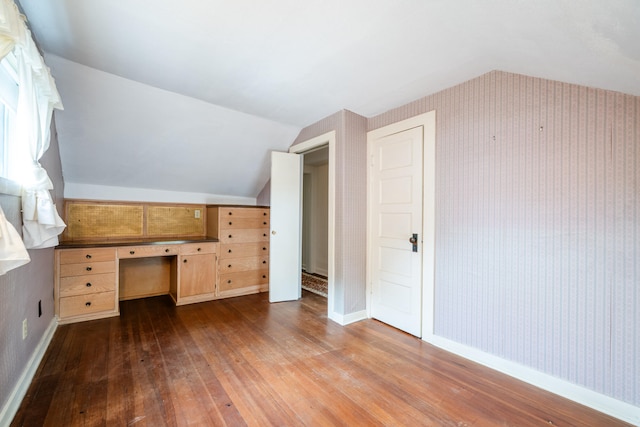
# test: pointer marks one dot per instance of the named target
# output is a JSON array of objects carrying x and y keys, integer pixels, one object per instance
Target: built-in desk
[{"x": 91, "y": 278}]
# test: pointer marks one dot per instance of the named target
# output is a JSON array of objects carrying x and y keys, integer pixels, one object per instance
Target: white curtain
[
  {"x": 37, "y": 97},
  {"x": 13, "y": 254}
]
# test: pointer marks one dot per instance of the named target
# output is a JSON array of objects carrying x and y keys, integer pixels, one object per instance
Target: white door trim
[
  {"x": 329, "y": 139},
  {"x": 428, "y": 122}
]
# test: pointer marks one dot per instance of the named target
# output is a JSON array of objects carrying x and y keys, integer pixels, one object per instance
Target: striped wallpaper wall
[
  {"x": 538, "y": 225},
  {"x": 350, "y": 206}
]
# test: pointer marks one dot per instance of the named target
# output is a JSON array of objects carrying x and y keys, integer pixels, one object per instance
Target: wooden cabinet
[
  {"x": 85, "y": 284},
  {"x": 243, "y": 262},
  {"x": 90, "y": 282},
  {"x": 197, "y": 267}
]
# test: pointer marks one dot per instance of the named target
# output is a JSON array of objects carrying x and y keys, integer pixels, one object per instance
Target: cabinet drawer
[
  {"x": 198, "y": 248},
  {"x": 227, "y": 213},
  {"x": 243, "y": 279},
  {"x": 147, "y": 251},
  {"x": 239, "y": 223},
  {"x": 82, "y": 285},
  {"x": 87, "y": 304},
  {"x": 239, "y": 250},
  {"x": 88, "y": 268},
  {"x": 75, "y": 256},
  {"x": 235, "y": 265},
  {"x": 245, "y": 235}
]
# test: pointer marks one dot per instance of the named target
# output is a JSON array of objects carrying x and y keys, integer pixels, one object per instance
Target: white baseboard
[
  {"x": 345, "y": 319},
  {"x": 599, "y": 402},
  {"x": 322, "y": 271},
  {"x": 20, "y": 389}
]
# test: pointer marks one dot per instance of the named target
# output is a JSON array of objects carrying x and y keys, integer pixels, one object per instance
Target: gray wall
[
  {"x": 538, "y": 225},
  {"x": 22, "y": 288}
]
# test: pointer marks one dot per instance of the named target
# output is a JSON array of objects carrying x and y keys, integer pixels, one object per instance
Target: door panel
[
  {"x": 396, "y": 213},
  {"x": 284, "y": 254}
]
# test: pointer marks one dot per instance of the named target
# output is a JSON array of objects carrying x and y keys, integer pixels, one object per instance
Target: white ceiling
[{"x": 191, "y": 95}]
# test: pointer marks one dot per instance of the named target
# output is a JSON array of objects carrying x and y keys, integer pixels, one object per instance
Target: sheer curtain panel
[{"x": 37, "y": 98}]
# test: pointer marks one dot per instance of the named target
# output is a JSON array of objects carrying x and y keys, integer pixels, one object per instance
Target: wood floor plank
[{"x": 245, "y": 362}]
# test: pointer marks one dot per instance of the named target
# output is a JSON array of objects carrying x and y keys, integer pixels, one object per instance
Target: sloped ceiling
[{"x": 192, "y": 95}]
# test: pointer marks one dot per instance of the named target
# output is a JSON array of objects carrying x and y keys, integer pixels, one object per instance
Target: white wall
[{"x": 315, "y": 219}]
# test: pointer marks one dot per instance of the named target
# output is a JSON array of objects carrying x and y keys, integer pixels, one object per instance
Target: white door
[
  {"x": 284, "y": 249},
  {"x": 395, "y": 204}
]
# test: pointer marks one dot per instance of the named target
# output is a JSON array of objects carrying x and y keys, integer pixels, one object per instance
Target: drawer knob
[
  {"x": 88, "y": 268},
  {"x": 264, "y": 276},
  {"x": 199, "y": 249},
  {"x": 230, "y": 236},
  {"x": 229, "y": 250},
  {"x": 88, "y": 304},
  {"x": 230, "y": 223},
  {"x": 229, "y": 266},
  {"x": 166, "y": 250},
  {"x": 264, "y": 222},
  {"x": 264, "y": 262},
  {"x": 88, "y": 284},
  {"x": 132, "y": 252},
  {"x": 228, "y": 281},
  {"x": 230, "y": 213},
  {"x": 264, "y": 214},
  {"x": 184, "y": 260},
  {"x": 264, "y": 249},
  {"x": 264, "y": 234},
  {"x": 88, "y": 256}
]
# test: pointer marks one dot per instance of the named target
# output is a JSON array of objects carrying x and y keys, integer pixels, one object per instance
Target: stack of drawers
[
  {"x": 86, "y": 284},
  {"x": 244, "y": 250}
]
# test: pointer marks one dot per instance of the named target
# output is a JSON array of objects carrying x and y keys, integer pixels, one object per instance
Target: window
[{"x": 8, "y": 105}]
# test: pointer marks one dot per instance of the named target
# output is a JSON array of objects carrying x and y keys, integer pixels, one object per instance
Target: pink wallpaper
[
  {"x": 350, "y": 206},
  {"x": 538, "y": 225},
  {"x": 22, "y": 288}
]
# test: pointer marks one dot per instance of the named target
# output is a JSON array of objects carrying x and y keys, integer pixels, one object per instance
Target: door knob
[
  {"x": 273, "y": 232},
  {"x": 414, "y": 241}
]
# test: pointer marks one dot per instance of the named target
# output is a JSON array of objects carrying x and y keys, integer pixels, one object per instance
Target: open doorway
[
  {"x": 315, "y": 221},
  {"x": 285, "y": 254}
]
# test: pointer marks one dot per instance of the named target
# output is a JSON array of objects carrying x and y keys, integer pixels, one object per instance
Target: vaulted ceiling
[{"x": 192, "y": 95}]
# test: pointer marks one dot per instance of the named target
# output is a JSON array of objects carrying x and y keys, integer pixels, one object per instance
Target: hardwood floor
[{"x": 243, "y": 361}]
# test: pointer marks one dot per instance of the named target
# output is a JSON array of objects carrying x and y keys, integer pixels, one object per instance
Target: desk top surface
[{"x": 134, "y": 242}]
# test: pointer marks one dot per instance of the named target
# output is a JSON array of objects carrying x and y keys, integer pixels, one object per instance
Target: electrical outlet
[
  {"x": 24, "y": 329},
  {"x": 197, "y": 213}
]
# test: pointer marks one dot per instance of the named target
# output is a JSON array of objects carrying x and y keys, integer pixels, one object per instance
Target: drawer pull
[
  {"x": 88, "y": 268},
  {"x": 264, "y": 222},
  {"x": 264, "y": 214},
  {"x": 229, "y": 250},
  {"x": 184, "y": 260},
  {"x": 230, "y": 236},
  {"x": 264, "y": 249},
  {"x": 199, "y": 249},
  {"x": 264, "y": 234},
  {"x": 132, "y": 252},
  {"x": 230, "y": 223},
  {"x": 88, "y": 303},
  {"x": 230, "y": 213},
  {"x": 264, "y": 262},
  {"x": 88, "y": 256},
  {"x": 229, "y": 281},
  {"x": 88, "y": 284},
  {"x": 166, "y": 250},
  {"x": 229, "y": 266}
]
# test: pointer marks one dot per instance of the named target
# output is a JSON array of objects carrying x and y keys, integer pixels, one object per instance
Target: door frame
[
  {"x": 428, "y": 123},
  {"x": 326, "y": 139}
]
